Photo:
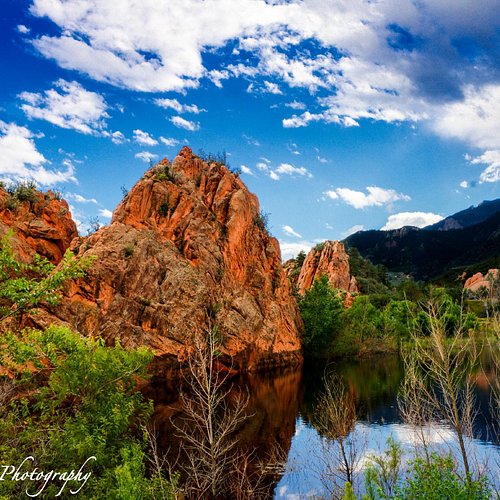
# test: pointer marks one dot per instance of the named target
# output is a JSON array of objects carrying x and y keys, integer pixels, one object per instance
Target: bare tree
[
  {"x": 437, "y": 383},
  {"x": 335, "y": 419},
  {"x": 212, "y": 413}
]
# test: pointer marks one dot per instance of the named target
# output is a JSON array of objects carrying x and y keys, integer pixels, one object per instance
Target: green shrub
[
  {"x": 23, "y": 191},
  {"x": 438, "y": 479},
  {"x": 321, "y": 309},
  {"x": 261, "y": 220},
  {"x": 85, "y": 404}
]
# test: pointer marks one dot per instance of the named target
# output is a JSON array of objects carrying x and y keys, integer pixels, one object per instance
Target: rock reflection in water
[{"x": 263, "y": 438}]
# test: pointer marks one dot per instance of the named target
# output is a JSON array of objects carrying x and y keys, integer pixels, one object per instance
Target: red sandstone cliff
[
  {"x": 41, "y": 223},
  {"x": 328, "y": 258},
  {"x": 186, "y": 249},
  {"x": 477, "y": 281}
]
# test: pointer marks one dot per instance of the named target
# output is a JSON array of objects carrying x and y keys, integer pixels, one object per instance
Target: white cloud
[
  {"x": 352, "y": 230},
  {"x": 272, "y": 88},
  {"x": 492, "y": 159},
  {"x": 246, "y": 170},
  {"x": 23, "y": 29},
  {"x": 21, "y": 160},
  {"x": 80, "y": 199},
  {"x": 376, "y": 196},
  {"x": 117, "y": 137},
  {"x": 416, "y": 219},
  {"x": 287, "y": 169},
  {"x": 474, "y": 120},
  {"x": 288, "y": 230},
  {"x": 72, "y": 107},
  {"x": 146, "y": 156},
  {"x": 178, "y": 107},
  {"x": 169, "y": 141},
  {"x": 464, "y": 184},
  {"x": 104, "y": 212},
  {"x": 291, "y": 249},
  {"x": 390, "y": 61},
  {"x": 295, "y": 105},
  {"x": 144, "y": 138},
  {"x": 180, "y": 122}
]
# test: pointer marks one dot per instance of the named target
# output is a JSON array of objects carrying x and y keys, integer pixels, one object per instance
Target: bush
[
  {"x": 23, "y": 191},
  {"x": 438, "y": 479},
  {"x": 321, "y": 309},
  {"x": 261, "y": 220},
  {"x": 83, "y": 403}
]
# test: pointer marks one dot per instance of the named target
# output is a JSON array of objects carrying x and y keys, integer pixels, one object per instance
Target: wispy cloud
[
  {"x": 288, "y": 230},
  {"x": 492, "y": 159},
  {"x": 178, "y": 107},
  {"x": 180, "y": 122},
  {"x": 352, "y": 230},
  {"x": 169, "y": 141}
]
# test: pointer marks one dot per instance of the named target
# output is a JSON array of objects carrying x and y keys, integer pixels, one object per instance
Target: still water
[{"x": 281, "y": 415}]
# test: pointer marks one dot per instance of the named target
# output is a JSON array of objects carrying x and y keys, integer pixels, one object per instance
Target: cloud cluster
[
  {"x": 69, "y": 106},
  {"x": 416, "y": 219},
  {"x": 21, "y": 160},
  {"x": 282, "y": 169},
  {"x": 391, "y": 61},
  {"x": 376, "y": 196}
]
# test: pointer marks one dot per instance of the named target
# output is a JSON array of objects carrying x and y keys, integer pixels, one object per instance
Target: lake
[{"x": 281, "y": 428}]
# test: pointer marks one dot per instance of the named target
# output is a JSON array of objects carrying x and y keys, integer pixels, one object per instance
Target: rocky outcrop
[
  {"x": 41, "y": 223},
  {"x": 477, "y": 281},
  {"x": 187, "y": 250},
  {"x": 329, "y": 258}
]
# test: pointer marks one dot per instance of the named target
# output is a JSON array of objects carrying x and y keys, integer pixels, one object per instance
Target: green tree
[
  {"x": 25, "y": 286},
  {"x": 321, "y": 309}
]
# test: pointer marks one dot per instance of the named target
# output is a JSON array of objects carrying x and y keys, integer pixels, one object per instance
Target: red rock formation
[
  {"x": 185, "y": 250},
  {"x": 328, "y": 258},
  {"x": 41, "y": 223},
  {"x": 478, "y": 281}
]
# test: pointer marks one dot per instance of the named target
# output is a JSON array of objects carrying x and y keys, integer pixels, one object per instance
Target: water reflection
[{"x": 283, "y": 425}]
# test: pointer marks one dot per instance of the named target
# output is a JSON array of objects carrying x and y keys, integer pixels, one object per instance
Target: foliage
[
  {"x": 23, "y": 191},
  {"x": 24, "y": 286},
  {"x": 383, "y": 474},
  {"x": 261, "y": 220},
  {"x": 321, "y": 309},
  {"x": 438, "y": 479},
  {"x": 370, "y": 278},
  {"x": 164, "y": 207},
  {"x": 76, "y": 398},
  {"x": 94, "y": 224},
  {"x": 165, "y": 174}
]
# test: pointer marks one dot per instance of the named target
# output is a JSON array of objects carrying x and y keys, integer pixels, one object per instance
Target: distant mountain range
[
  {"x": 468, "y": 217},
  {"x": 466, "y": 241}
]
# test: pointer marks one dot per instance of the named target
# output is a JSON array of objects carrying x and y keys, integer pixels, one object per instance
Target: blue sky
[{"x": 341, "y": 114}]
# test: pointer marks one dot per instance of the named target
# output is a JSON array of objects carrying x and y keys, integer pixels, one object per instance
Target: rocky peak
[
  {"x": 328, "y": 258},
  {"x": 187, "y": 249},
  {"x": 41, "y": 222}
]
